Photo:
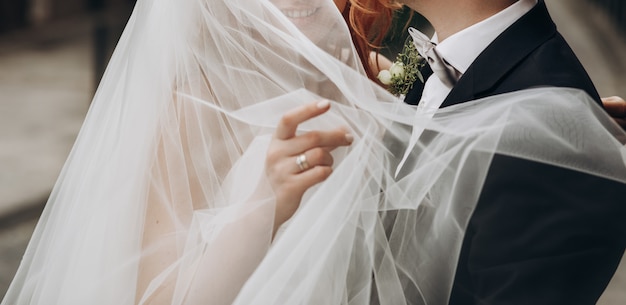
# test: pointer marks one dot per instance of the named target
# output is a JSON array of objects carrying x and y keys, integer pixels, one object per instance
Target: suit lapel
[
  {"x": 503, "y": 54},
  {"x": 415, "y": 94}
]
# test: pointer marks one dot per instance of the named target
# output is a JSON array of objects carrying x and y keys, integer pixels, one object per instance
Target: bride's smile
[
  {"x": 300, "y": 13},
  {"x": 303, "y": 16},
  {"x": 313, "y": 18}
]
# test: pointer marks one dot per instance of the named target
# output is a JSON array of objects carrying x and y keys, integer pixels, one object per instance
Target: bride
[{"x": 166, "y": 199}]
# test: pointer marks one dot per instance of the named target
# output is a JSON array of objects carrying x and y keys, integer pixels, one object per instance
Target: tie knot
[
  {"x": 427, "y": 49},
  {"x": 422, "y": 42}
]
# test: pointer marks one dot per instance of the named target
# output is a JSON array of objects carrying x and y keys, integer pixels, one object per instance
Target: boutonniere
[{"x": 404, "y": 71}]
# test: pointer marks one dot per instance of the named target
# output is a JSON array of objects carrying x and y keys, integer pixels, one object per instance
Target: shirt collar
[{"x": 462, "y": 48}]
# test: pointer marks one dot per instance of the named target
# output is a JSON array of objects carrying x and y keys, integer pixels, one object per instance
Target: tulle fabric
[{"x": 164, "y": 198}]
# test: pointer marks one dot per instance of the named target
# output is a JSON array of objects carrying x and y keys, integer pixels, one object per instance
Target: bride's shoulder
[{"x": 379, "y": 62}]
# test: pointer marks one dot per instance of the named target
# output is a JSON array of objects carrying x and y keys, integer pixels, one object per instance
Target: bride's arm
[
  {"x": 241, "y": 245},
  {"x": 169, "y": 207},
  {"x": 178, "y": 188},
  {"x": 378, "y": 62},
  {"x": 194, "y": 153}
]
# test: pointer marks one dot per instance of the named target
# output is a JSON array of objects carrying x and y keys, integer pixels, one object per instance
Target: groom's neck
[{"x": 451, "y": 16}]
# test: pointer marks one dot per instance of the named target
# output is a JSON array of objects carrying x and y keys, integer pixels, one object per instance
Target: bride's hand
[
  {"x": 296, "y": 163},
  {"x": 616, "y": 107}
]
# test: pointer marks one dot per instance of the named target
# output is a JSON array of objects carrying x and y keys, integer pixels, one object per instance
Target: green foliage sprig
[{"x": 404, "y": 71}]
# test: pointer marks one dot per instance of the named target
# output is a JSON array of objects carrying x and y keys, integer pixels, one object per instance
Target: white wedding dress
[{"x": 163, "y": 199}]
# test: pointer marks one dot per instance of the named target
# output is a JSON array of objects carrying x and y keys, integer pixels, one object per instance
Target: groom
[{"x": 539, "y": 234}]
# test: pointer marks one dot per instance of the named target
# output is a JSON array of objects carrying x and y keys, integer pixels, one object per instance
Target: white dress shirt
[{"x": 460, "y": 50}]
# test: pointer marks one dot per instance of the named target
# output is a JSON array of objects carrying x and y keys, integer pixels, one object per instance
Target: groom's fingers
[
  {"x": 615, "y": 106},
  {"x": 288, "y": 124}
]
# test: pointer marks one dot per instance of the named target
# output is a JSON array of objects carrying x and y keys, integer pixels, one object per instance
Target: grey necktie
[{"x": 446, "y": 73}]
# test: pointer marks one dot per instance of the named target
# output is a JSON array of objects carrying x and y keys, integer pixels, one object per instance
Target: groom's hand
[
  {"x": 297, "y": 162},
  {"x": 616, "y": 107}
]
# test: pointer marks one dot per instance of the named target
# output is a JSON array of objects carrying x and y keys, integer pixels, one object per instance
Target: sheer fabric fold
[{"x": 164, "y": 198}]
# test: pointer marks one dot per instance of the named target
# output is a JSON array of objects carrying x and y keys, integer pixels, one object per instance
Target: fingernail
[
  {"x": 349, "y": 138},
  {"x": 323, "y": 104}
]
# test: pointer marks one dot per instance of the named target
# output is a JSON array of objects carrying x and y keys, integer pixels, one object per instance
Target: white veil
[{"x": 163, "y": 199}]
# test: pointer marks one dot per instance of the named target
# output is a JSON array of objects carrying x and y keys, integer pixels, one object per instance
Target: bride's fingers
[
  {"x": 285, "y": 169},
  {"x": 324, "y": 139},
  {"x": 328, "y": 140},
  {"x": 310, "y": 159},
  {"x": 288, "y": 124},
  {"x": 311, "y": 177},
  {"x": 295, "y": 163}
]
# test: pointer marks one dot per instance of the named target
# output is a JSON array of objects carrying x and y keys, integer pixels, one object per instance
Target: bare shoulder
[{"x": 379, "y": 62}]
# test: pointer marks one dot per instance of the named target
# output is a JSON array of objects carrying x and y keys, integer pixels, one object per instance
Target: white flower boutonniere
[{"x": 404, "y": 71}]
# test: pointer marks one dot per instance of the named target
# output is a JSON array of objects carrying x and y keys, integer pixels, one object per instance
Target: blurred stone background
[{"x": 53, "y": 52}]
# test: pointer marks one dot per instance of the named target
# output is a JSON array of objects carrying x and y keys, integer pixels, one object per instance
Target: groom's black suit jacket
[{"x": 539, "y": 234}]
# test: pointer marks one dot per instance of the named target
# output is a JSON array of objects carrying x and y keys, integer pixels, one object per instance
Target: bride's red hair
[{"x": 369, "y": 21}]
